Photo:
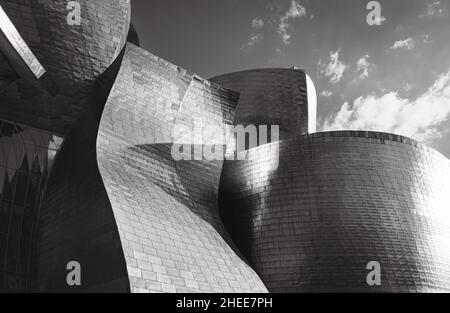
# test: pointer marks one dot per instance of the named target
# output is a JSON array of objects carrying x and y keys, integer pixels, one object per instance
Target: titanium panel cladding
[
  {"x": 273, "y": 96},
  {"x": 167, "y": 211},
  {"x": 333, "y": 202}
]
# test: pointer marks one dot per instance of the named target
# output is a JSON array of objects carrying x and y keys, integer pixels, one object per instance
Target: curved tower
[
  {"x": 311, "y": 212},
  {"x": 274, "y": 96}
]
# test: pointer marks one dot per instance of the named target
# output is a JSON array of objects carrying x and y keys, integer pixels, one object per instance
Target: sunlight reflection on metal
[{"x": 17, "y": 51}]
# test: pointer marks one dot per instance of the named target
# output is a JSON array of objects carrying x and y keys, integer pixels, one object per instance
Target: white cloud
[
  {"x": 407, "y": 87},
  {"x": 434, "y": 9},
  {"x": 254, "y": 39},
  {"x": 295, "y": 11},
  {"x": 326, "y": 93},
  {"x": 363, "y": 66},
  {"x": 257, "y": 23},
  {"x": 421, "y": 118},
  {"x": 407, "y": 44},
  {"x": 334, "y": 69}
]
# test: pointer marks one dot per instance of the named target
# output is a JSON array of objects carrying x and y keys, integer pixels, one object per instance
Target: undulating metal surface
[
  {"x": 306, "y": 213},
  {"x": 167, "y": 210},
  {"x": 312, "y": 211},
  {"x": 73, "y": 219},
  {"x": 76, "y": 221},
  {"x": 73, "y": 57},
  {"x": 274, "y": 96}
]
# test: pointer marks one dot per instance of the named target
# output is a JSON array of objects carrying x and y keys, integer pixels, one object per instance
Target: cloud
[
  {"x": 326, "y": 93},
  {"x": 295, "y": 11},
  {"x": 363, "y": 66},
  {"x": 334, "y": 69},
  {"x": 407, "y": 44},
  {"x": 255, "y": 37},
  {"x": 421, "y": 118},
  {"x": 407, "y": 87},
  {"x": 257, "y": 23},
  {"x": 434, "y": 9}
]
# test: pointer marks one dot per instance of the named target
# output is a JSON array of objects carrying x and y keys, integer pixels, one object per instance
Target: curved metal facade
[
  {"x": 72, "y": 69},
  {"x": 276, "y": 96},
  {"x": 166, "y": 210},
  {"x": 303, "y": 214},
  {"x": 73, "y": 57},
  {"x": 76, "y": 221},
  {"x": 313, "y": 219}
]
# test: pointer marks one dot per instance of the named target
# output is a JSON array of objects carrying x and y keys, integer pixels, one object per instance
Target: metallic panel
[
  {"x": 76, "y": 221},
  {"x": 166, "y": 210},
  {"x": 73, "y": 56},
  {"x": 272, "y": 97},
  {"x": 308, "y": 213},
  {"x": 311, "y": 212}
]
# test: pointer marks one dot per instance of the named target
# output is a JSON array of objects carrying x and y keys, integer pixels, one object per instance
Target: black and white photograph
[{"x": 224, "y": 152}]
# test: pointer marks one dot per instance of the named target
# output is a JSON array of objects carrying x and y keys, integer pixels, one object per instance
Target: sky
[{"x": 392, "y": 77}]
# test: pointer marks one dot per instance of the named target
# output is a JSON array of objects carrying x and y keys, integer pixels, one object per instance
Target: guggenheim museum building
[{"x": 87, "y": 122}]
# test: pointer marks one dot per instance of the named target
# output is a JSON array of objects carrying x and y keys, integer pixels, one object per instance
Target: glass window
[{"x": 24, "y": 155}]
